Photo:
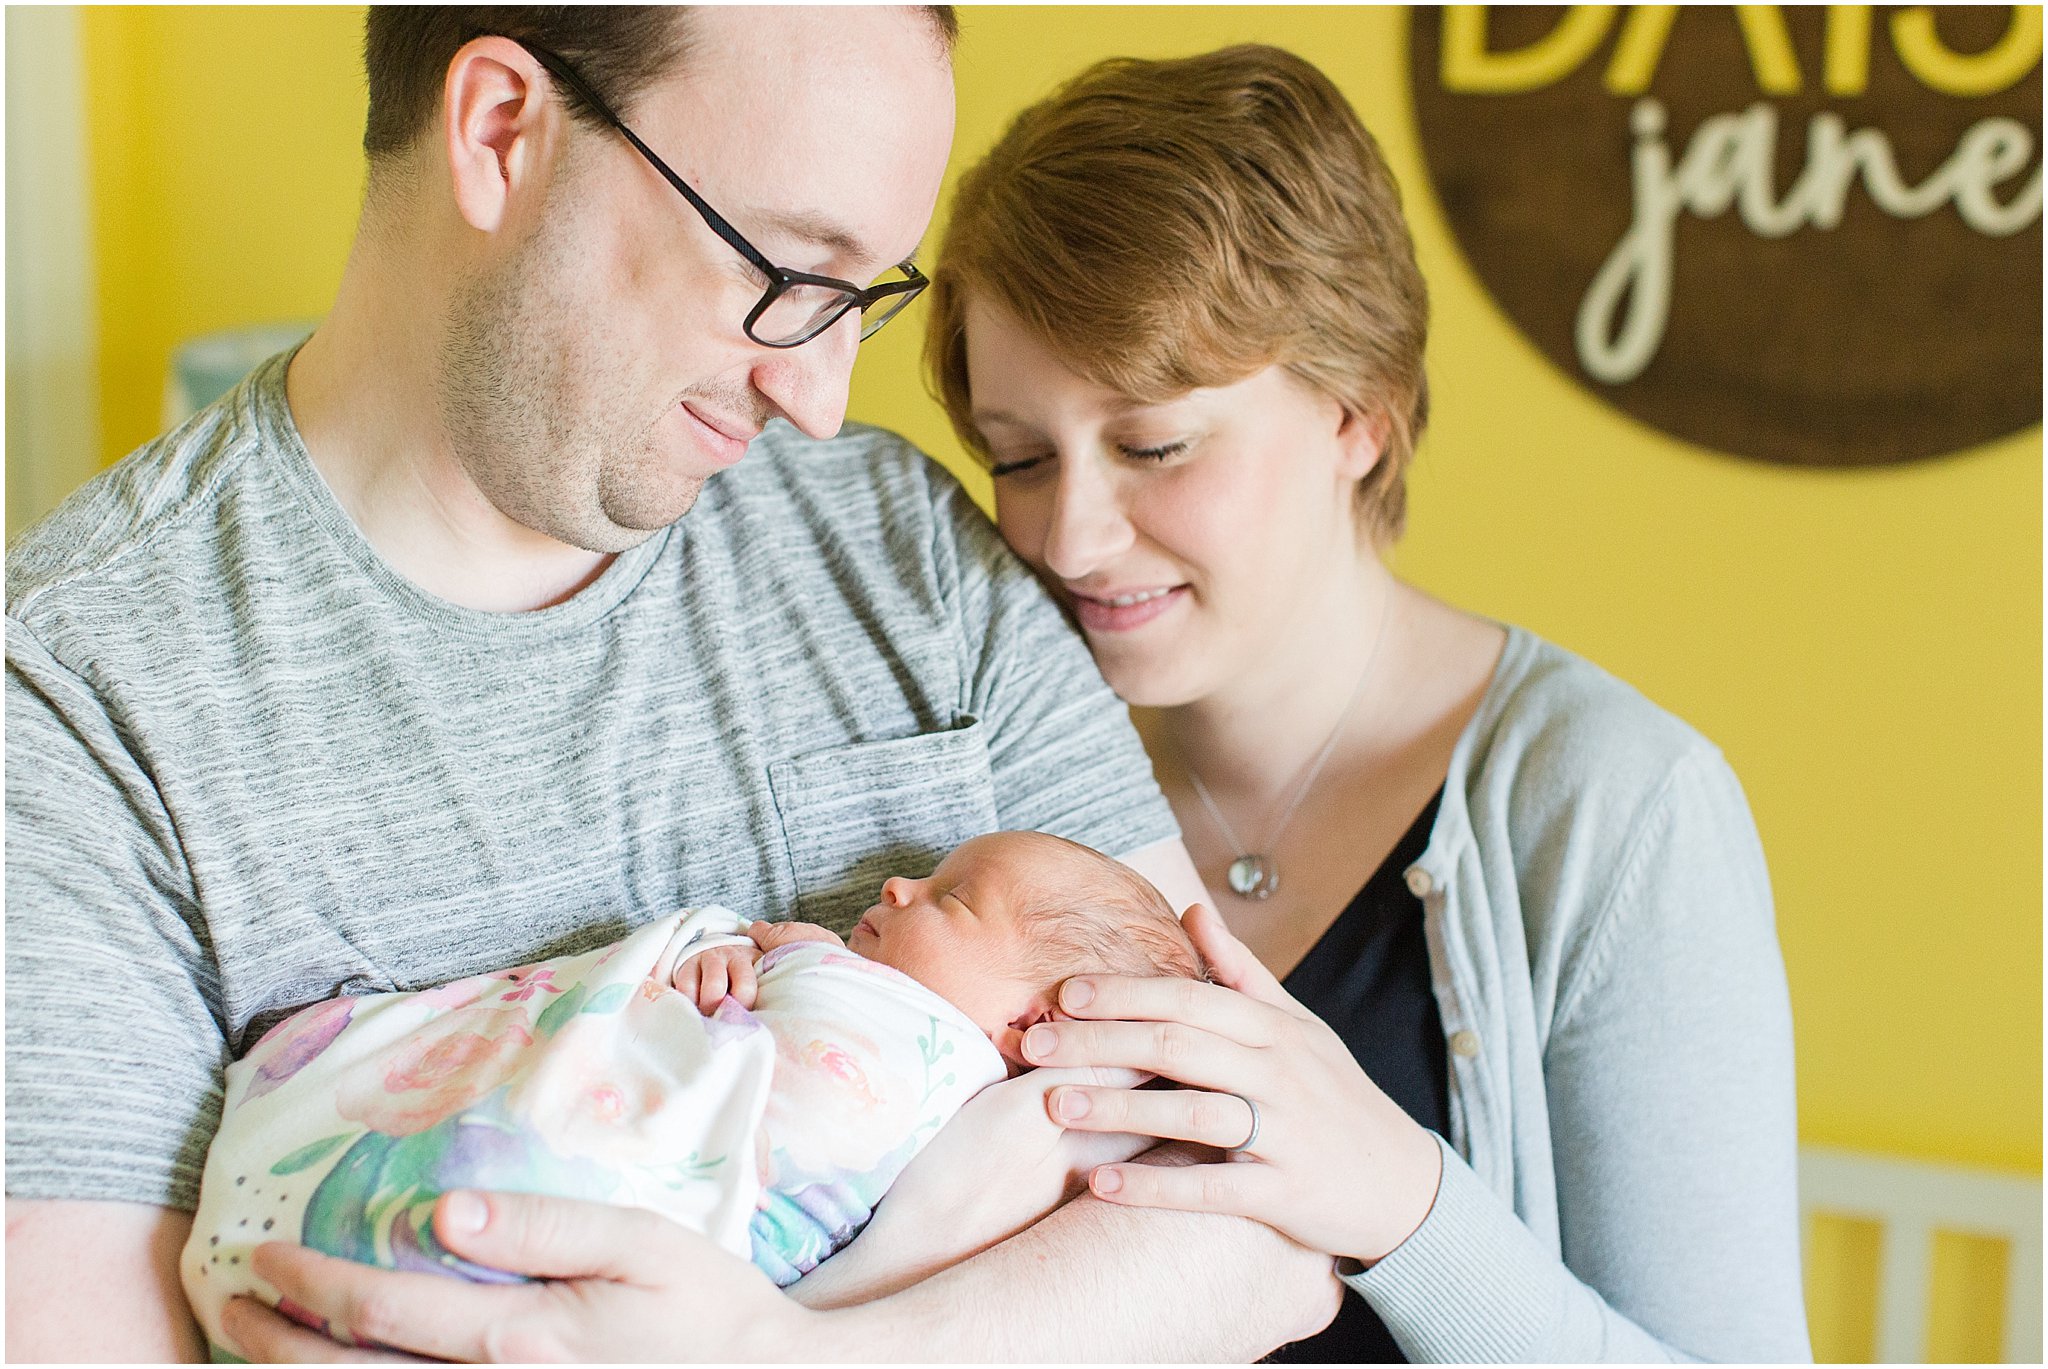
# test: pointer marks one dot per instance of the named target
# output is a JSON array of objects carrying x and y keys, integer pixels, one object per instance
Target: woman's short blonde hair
[{"x": 1164, "y": 226}]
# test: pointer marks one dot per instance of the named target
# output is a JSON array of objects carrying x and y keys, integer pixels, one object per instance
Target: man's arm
[
  {"x": 1095, "y": 1281},
  {"x": 1090, "y": 1282},
  {"x": 98, "y": 1282}
]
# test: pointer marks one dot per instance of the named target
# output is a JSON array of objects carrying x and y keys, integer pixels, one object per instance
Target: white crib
[{"x": 1911, "y": 1201}]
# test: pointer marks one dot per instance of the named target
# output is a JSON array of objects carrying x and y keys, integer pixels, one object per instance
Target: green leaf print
[
  {"x": 925, "y": 1046},
  {"x": 561, "y": 1010},
  {"x": 690, "y": 1169},
  {"x": 305, "y": 1157},
  {"x": 609, "y": 999}
]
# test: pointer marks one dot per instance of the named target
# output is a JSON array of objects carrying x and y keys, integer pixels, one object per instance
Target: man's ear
[{"x": 495, "y": 127}]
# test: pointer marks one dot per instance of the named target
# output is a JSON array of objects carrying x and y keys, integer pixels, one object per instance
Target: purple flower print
[{"x": 294, "y": 1043}]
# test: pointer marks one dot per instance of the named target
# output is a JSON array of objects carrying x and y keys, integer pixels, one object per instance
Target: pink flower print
[
  {"x": 461, "y": 993},
  {"x": 434, "y": 1071},
  {"x": 593, "y": 1096},
  {"x": 292, "y": 1044},
  {"x": 838, "y": 1064},
  {"x": 781, "y": 953},
  {"x": 835, "y": 1107},
  {"x": 541, "y": 979}
]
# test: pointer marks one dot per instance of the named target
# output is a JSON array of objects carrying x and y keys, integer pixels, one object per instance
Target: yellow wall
[
  {"x": 226, "y": 174},
  {"x": 1866, "y": 646}
]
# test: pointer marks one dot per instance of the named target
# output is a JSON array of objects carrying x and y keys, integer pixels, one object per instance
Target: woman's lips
[{"x": 1126, "y": 610}]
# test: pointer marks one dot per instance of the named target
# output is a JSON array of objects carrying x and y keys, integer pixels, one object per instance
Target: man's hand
[
  {"x": 710, "y": 976},
  {"x": 619, "y": 1284}
]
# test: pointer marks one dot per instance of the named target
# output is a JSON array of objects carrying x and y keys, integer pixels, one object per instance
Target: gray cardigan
[{"x": 1620, "y": 1179}]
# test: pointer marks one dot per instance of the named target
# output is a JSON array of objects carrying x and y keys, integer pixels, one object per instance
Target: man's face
[{"x": 596, "y": 369}]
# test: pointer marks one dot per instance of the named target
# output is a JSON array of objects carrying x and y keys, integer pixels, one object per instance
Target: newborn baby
[{"x": 763, "y": 1089}]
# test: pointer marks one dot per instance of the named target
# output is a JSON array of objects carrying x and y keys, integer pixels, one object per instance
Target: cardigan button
[
  {"x": 1465, "y": 1044},
  {"x": 1419, "y": 882}
]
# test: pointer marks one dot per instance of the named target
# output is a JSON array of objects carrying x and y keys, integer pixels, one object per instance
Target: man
[{"x": 397, "y": 665}]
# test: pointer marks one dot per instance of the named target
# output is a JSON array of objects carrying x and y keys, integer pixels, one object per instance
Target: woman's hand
[
  {"x": 1336, "y": 1165},
  {"x": 619, "y": 1284}
]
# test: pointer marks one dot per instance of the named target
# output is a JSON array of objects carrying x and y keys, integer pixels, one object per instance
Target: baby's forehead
[{"x": 1036, "y": 852}]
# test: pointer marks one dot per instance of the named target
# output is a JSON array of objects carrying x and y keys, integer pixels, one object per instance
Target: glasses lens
[
  {"x": 803, "y": 311},
  {"x": 800, "y": 312},
  {"x": 882, "y": 310}
]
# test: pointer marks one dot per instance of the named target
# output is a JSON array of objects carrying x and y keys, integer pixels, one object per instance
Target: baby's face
[{"x": 957, "y": 933}]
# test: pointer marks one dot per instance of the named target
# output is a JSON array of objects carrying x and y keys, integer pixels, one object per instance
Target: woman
[{"x": 1512, "y": 1041}]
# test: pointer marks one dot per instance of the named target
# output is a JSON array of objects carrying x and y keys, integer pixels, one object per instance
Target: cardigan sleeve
[{"x": 1668, "y": 1071}]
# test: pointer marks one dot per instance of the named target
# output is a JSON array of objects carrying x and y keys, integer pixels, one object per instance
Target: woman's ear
[
  {"x": 494, "y": 108},
  {"x": 1361, "y": 439}
]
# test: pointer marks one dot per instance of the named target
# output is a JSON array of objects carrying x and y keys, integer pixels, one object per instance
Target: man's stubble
[{"x": 540, "y": 411}]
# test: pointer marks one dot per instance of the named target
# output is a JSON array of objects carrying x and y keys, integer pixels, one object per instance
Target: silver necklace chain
[{"x": 1255, "y": 874}]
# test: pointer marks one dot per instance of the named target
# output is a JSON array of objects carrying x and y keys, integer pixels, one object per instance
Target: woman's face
[{"x": 1196, "y": 541}]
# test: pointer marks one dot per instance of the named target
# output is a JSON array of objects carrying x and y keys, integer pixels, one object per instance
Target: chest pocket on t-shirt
[{"x": 854, "y": 815}]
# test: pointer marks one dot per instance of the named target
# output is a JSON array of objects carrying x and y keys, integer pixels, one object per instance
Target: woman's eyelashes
[
  {"x": 999, "y": 467},
  {"x": 1158, "y": 453}
]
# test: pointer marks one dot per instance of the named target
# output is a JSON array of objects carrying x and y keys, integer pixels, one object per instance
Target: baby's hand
[
  {"x": 769, "y": 935},
  {"x": 709, "y": 976}
]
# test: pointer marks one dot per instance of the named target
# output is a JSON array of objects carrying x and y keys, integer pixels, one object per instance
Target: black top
[{"x": 1369, "y": 979}]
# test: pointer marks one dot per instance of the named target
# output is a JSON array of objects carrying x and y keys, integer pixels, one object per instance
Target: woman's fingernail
[
  {"x": 464, "y": 1212},
  {"x": 1077, "y": 993},
  {"x": 1107, "y": 1180},
  {"x": 1040, "y": 1041},
  {"x": 1071, "y": 1104}
]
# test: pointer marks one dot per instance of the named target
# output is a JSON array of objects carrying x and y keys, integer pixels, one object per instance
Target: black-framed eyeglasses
[{"x": 796, "y": 306}]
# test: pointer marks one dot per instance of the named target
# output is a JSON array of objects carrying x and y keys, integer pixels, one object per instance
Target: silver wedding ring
[{"x": 1246, "y": 1143}]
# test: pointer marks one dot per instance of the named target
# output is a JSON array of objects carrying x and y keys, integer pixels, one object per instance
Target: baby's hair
[{"x": 1101, "y": 917}]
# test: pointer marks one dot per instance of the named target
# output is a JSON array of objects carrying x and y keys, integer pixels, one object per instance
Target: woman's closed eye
[
  {"x": 999, "y": 466},
  {"x": 1158, "y": 453}
]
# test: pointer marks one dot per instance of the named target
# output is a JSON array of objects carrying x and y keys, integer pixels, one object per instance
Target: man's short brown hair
[
  {"x": 619, "y": 49},
  {"x": 1164, "y": 226}
]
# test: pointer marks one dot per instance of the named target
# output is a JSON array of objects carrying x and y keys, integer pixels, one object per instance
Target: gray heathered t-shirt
[{"x": 250, "y": 767}]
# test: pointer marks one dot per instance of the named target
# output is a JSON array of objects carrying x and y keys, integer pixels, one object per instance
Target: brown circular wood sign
[{"x": 1804, "y": 235}]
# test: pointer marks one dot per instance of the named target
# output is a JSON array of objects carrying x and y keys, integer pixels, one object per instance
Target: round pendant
[{"x": 1253, "y": 877}]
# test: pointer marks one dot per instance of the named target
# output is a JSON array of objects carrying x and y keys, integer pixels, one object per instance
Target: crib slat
[
  {"x": 1904, "y": 1278},
  {"x": 2023, "y": 1300}
]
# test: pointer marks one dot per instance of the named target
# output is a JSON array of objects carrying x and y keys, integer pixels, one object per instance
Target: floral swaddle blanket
[{"x": 774, "y": 1132}]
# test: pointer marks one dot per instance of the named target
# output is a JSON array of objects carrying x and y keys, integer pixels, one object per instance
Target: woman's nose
[{"x": 1088, "y": 527}]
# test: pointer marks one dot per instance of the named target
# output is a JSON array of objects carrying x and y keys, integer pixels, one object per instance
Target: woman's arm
[{"x": 1669, "y": 1075}]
